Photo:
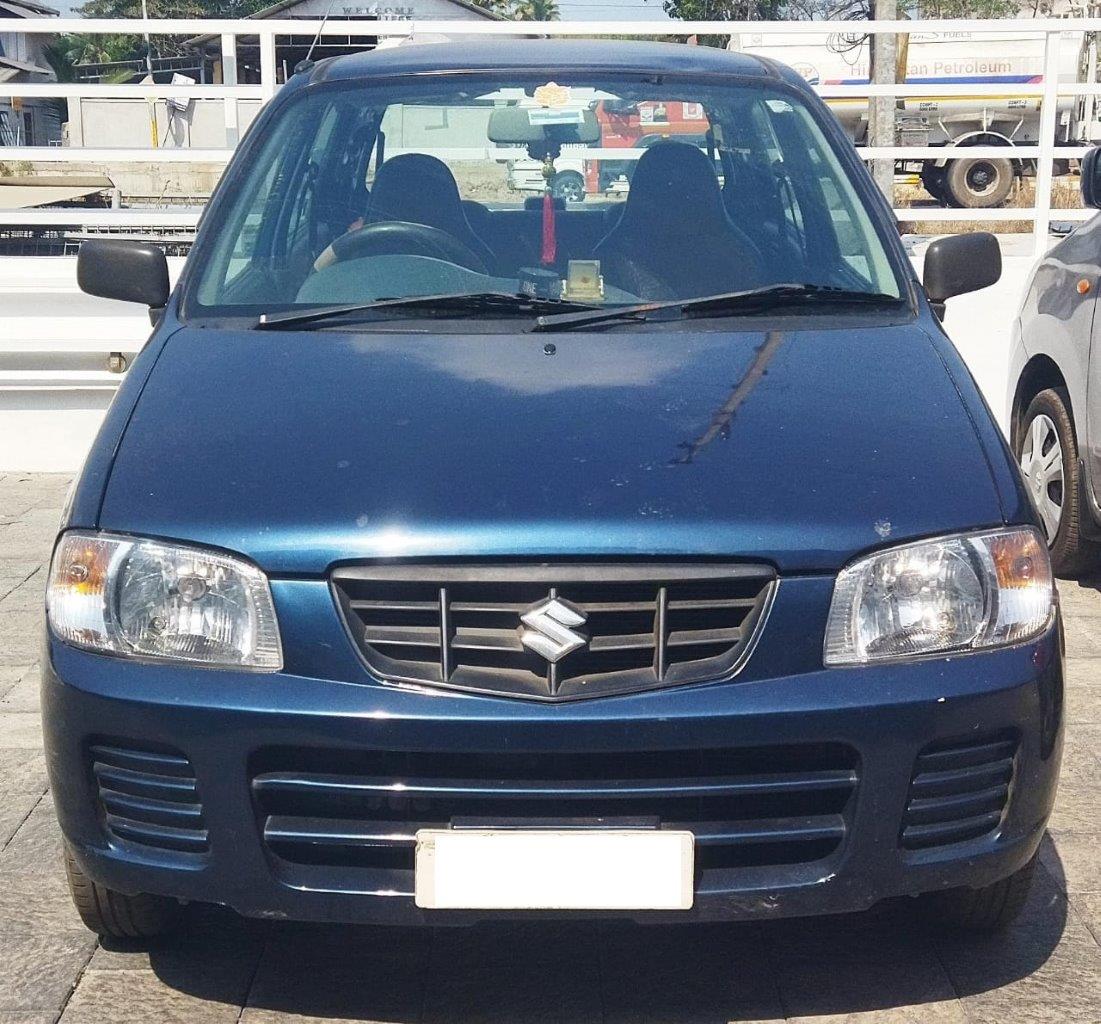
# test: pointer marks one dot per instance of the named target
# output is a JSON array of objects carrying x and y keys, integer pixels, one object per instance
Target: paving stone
[
  {"x": 20, "y": 636},
  {"x": 552, "y": 969},
  {"x": 39, "y": 969},
  {"x": 11, "y": 674},
  {"x": 1043, "y": 969},
  {"x": 350, "y": 973},
  {"x": 20, "y": 729},
  {"x": 1087, "y": 905},
  {"x": 876, "y": 966},
  {"x": 34, "y": 895},
  {"x": 1083, "y": 634},
  {"x": 1074, "y": 861},
  {"x": 23, "y": 694},
  {"x": 22, "y": 783},
  {"x": 703, "y": 973},
  {"x": 28, "y": 595},
  {"x": 212, "y": 954},
  {"x": 141, "y": 997},
  {"x": 1079, "y": 598}
]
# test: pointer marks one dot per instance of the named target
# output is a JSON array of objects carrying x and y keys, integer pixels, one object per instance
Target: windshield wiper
[
  {"x": 750, "y": 300},
  {"x": 451, "y": 302}
]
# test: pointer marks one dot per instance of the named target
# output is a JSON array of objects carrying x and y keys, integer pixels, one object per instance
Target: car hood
[{"x": 301, "y": 449}]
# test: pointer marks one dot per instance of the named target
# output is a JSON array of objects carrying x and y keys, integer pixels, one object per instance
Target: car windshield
[{"x": 602, "y": 191}]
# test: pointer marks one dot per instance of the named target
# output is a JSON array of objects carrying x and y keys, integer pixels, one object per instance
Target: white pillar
[{"x": 229, "y": 77}]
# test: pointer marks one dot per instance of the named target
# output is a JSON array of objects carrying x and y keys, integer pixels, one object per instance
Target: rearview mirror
[
  {"x": 525, "y": 126},
  {"x": 125, "y": 270},
  {"x": 959, "y": 264},
  {"x": 1091, "y": 178}
]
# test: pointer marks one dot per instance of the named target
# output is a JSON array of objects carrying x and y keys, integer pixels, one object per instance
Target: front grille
[
  {"x": 360, "y": 811},
  {"x": 629, "y": 627},
  {"x": 959, "y": 791},
  {"x": 149, "y": 797}
]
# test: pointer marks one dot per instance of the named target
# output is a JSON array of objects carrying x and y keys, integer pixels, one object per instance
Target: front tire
[
  {"x": 115, "y": 915},
  {"x": 988, "y": 909},
  {"x": 1047, "y": 451},
  {"x": 568, "y": 186}
]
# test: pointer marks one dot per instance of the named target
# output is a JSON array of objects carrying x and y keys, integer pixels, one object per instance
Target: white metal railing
[{"x": 266, "y": 31}]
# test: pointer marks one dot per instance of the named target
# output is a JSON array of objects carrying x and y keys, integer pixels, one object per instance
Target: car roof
[{"x": 548, "y": 55}]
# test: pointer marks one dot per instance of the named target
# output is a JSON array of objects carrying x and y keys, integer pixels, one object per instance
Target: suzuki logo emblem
[{"x": 549, "y": 632}]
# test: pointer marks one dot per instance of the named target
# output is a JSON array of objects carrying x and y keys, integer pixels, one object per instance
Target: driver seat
[
  {"x": 420, "y": 189},
  {"x": 675, "y": 239}
]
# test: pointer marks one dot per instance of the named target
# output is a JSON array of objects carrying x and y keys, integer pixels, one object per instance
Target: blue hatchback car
[{"x": 449, "y": 554}]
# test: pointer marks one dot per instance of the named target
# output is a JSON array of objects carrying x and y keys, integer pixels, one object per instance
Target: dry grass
[{"x": 1064, "y": 196}]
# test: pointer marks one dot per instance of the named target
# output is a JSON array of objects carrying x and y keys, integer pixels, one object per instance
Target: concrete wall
[{"x": 126, "y": 123}]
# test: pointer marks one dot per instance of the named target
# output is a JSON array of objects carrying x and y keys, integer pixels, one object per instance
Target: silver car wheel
[{"x": 1042, "y": 464}]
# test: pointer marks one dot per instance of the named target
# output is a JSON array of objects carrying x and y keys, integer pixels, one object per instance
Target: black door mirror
[
  {"x": 1091, "y": 178},
  {"x": 125, "y": 270},
  {"x": 959, "y": 264}
]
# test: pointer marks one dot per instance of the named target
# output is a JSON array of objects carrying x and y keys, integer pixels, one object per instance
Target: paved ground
[{"x": 873, "y": 967}]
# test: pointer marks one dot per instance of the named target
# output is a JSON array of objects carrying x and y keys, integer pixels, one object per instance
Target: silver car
[{"x": 1055, "y": 389}]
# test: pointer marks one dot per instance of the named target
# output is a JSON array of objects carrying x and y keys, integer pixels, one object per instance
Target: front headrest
[
  {"x": 414, "y": 187},
  {"x": 674, "y": 178}
]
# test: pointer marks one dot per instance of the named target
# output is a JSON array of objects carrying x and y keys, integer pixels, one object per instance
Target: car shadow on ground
[{"x": 579, "y": 971}]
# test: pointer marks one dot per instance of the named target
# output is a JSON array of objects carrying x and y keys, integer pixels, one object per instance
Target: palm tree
[{"x": 535, "y": 10}]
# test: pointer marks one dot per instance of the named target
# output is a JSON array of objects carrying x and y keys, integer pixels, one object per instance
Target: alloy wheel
[{"x": 1042, "y": 464}]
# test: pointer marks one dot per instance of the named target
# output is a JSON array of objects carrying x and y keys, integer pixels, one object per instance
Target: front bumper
[{"x": 243, "y": 736}]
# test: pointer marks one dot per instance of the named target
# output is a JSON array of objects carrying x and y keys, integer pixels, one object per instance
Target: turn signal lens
[{"x": 951, "y": 594}]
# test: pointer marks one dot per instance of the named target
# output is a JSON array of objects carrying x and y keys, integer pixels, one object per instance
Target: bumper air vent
[
  {"x": 959, "y": 791},
  {"x": 149, "y": 798}
]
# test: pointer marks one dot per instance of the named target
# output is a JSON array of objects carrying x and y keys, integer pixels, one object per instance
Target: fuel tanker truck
[{"x": 961, "y": 59}]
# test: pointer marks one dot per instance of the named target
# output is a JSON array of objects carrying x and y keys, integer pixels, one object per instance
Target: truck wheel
[
  {"x": 988, "y": 909},
  {"x": 114, "y": 914},
  {"x": 978, "y": 183},
  {"x": 568, "y": 185},
  {"x": 932, "y": 181},
  {"x": 1047, "y": 451}
]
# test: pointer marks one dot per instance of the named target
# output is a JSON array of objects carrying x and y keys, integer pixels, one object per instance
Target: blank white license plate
[{"x": 568, "y": 869}]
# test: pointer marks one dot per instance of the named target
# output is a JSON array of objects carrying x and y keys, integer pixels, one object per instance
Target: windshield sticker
[
  {"x": 552, "y": 95},
  {"x": 555, "y": 106},
  {"x": 541, "y": 115}
]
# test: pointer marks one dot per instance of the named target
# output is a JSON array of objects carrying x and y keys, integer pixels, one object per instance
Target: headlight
[
  {"x": 147, "y": 599},
  {"x": 951, "y": 594}
]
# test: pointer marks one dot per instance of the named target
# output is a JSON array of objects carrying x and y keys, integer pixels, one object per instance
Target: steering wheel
[{"x": 400, "y": 238}]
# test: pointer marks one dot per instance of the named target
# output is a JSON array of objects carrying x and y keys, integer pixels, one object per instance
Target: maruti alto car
[{"x": 443, "y": 559}]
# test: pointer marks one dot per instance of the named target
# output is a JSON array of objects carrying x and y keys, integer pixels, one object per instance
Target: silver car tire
[{"x": 1047, "y": 452}]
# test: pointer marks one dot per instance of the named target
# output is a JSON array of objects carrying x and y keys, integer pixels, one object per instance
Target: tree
[
  {"x": 534, "y": 10},
  {"x": 105, "y": 49},
  {"x": 731, "y": 10}
]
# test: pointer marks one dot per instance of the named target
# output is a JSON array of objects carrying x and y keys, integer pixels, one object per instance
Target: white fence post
[
  {"x": 1044, "y": 166},
  {"x": 267, "y": 65},
  {"x": 229, "y": 77}
]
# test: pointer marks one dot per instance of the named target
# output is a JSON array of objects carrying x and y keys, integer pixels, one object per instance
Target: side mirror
[
  {"x": 1091, "y": 178},
  {"x": 125, "y": 270},
  {"x": 959, "y": 264}
]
